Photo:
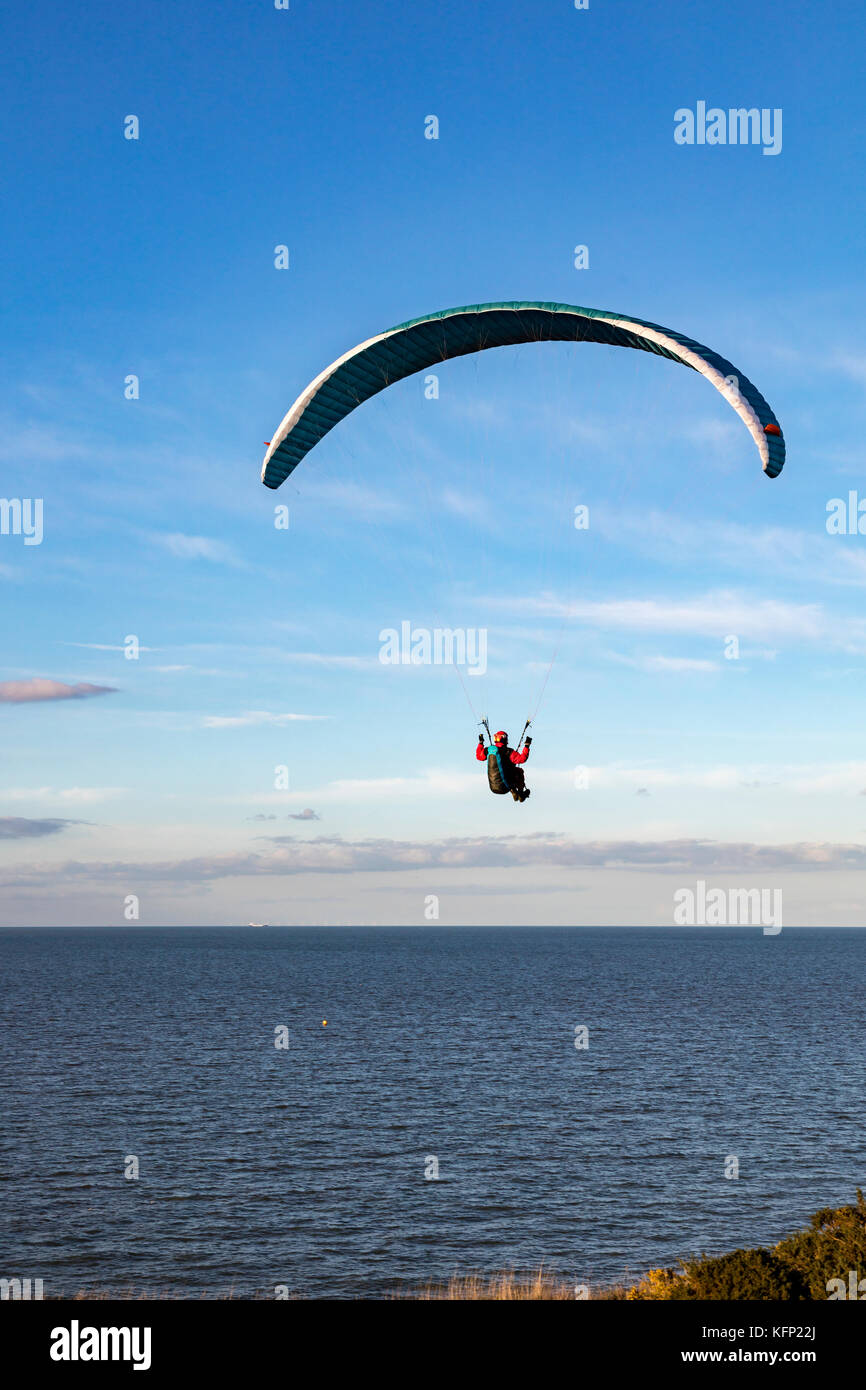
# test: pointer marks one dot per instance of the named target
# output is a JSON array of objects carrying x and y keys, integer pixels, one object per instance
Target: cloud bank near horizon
[{"x": 334, "y": 855}]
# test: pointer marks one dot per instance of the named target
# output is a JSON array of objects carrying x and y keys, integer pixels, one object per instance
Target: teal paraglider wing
[{"x": 421, "y": 343}]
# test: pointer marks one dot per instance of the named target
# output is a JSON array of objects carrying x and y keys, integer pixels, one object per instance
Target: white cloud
[
  {"x": 784, "y": 550},
  {"x": 196, "y": 548},
  {"x": 435, "y": 783},
  {"x": 256, "y": 716},
  {"x": 105, "y": 647},
  {"x": 712, "y": 615},
  {"x": 664, "y": 664},
  {"x": 808, "y": 779},
  {"x": 333, "y": 855},
  {"x": 352, "y": 663},
  {"x": 680, "y": 663},
  {"x": 80, "y": 795}
]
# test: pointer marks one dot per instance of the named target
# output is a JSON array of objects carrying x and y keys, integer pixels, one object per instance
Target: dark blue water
[{"x": 306, "y": 1167}]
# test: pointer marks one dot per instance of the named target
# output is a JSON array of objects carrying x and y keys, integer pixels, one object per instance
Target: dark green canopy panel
[{"x": 421, "y": 343}]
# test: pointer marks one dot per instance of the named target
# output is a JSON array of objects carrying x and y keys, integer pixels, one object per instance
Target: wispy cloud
[
  {"x": 433, "y": 783},
  {"x": 20, "y": 828},
  {"x": 333, "y": 855},
  {"x": 680, "y": 664},
  {"x": 38, "y": 689},
  {"x": 42, "y": 444},
  {"x": 783, "y": 550},
  {"x": 196, "y": 670},
  {"x": 718, "y": 434},
  {"x": 711, "y": 615},
  {"x": 675, "y": 665},
  {"x": 256, "y": 716},
  {"x": 807, "y": 779},
  {"x": 362, "y": 502},
  {"x": 852, "y": 364},
  {"x": 469, "y": 508},
  {"x": 79, "y": 795},
  {"x": 107, "y": 647},
  {"x": 196, "y": 548},
  {"x": 349, "y": 663}
]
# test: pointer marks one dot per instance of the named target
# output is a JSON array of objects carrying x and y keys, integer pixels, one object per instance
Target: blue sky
[{"x": 260, "y": 647}]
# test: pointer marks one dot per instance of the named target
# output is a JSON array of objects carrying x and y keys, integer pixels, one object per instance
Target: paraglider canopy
[{"x": 418, "y": 344}]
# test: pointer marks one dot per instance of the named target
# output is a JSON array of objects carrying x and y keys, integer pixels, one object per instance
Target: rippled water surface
[{"x": 306, "y": 1166}]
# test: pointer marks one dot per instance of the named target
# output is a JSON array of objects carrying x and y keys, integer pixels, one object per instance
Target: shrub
[
  {"x": 834, "y": 1245},
  {"x": 742, "y": 1274},
  {"x": 758, "y": 1275}
]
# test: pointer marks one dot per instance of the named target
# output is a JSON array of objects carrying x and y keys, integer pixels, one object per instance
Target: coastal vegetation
[{"x": 826, "y": 1260}]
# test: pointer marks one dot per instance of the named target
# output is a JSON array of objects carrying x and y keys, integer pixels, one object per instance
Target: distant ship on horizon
[{"x": 258, "y": 924}]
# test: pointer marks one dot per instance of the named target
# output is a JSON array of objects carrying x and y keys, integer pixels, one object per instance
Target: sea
[{"x": 360, "y": 1112}]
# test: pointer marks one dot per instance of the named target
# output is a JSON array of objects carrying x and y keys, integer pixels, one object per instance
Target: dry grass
[
  {"x": 509, "y": 1285},
  {"x": 533, "y": 1286}
]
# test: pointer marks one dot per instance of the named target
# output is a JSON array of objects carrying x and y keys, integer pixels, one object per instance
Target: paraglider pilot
[{"x": 504, "y": 771}]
